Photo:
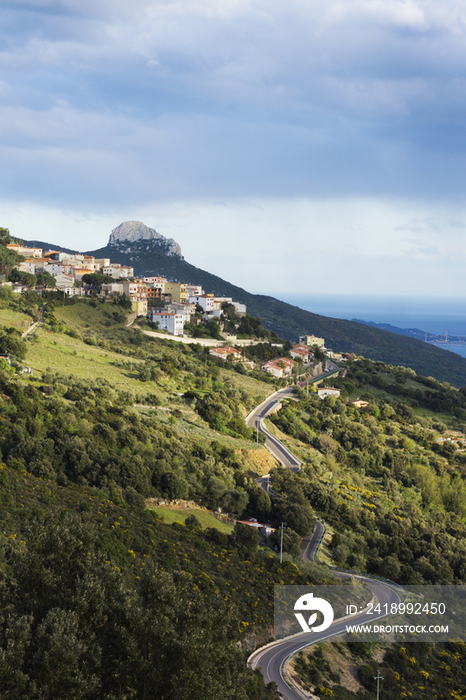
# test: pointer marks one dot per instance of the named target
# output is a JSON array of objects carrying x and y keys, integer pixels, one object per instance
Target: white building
[
  {"x": 57, "y": 268},
  {"x": 28, "y": 265},
  {"x": 282, "y": 367},
  {"x": 64, "y": 281},
  {"x": 194, "y": 290},
  {"x": 118, "y": 271},
  {"x": 168, "y": 321},
  {"x": 206, "y": 302},
  {"x": 185, "y": 309},
  {"x": 239, "y": 308},
  {"x": 324, "y": 391}
]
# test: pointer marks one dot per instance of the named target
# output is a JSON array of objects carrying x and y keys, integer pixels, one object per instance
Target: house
[
  {"x": 28, "y": 265},
  {"x": 206, "y": 301},
  {"x": 177, "y": 290},
  {"x": 239, "y": 308},
  {"x": 57, "y": 268},
  {"x": 153, "y": 280},
  {"x": 282, "y": 367},
  {"x": 118, "y": 271},
  {"x": 184, "y": 309},
  {"x": 139, "y": 307},
  {"x": 226, "y": 353},
  {"x": 194, "y": 290},
  {"x": 64, "y": 281},
  {"x": 301, "y": 352},
  {"x": 359, "y": 404},
  {"x": 136, "y": 291},
  {"x": 167, "y": 320},
  {"x": 310, "y": 340},
  {"x": 323, "y": 392},
  {"x": 25, "y": 250},
  {"x": 102, "y": 262}
]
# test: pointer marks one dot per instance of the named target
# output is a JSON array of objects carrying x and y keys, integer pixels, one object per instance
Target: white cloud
[{"x": 336, "y": 125}]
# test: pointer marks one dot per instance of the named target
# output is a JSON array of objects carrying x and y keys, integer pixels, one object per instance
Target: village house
[
  {"x": 136, "y": 291},
  {"x": 280, "y": 368},
  {"x": 205, "y": 301},
  {"x": 360, "y": 404},
  {"x": 177, "y": 290},
  {"x": 28, "y": 265},
  {"x": 153, "y": 280},
  {"x": 301, "y": 352},
  {"x": 226, "y": 353},
  {"x": 118, "y": 271},
  {"x": 167, "y": 320},
  {"x": 113, "y": 287},
  {"x": 323, "y": 392},
  {"x": 310, "y": 340},
  {"x": 25, "y": 250},
  {"x": 64, "y": 281},
  {"x": 194, "y": 290}
]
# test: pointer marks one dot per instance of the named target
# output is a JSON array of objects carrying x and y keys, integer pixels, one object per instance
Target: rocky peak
[{"x": 134, "y": 231}]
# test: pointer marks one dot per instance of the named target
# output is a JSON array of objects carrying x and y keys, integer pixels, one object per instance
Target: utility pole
[
  {"x": 378, "y": 678},
  {"x": 281, "y": 547},
  {"x": 257, "y": 433}
]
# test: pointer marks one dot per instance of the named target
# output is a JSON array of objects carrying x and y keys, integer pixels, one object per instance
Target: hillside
[
  {"x": 149, "y": 257},
  {"x": 110, "y": 417}
]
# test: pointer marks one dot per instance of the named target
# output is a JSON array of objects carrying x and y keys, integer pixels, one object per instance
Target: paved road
[
  {"x": 271, "y": 660},
  {"x": 255, "y": 420},
  {"x": 309, "y": 543}
]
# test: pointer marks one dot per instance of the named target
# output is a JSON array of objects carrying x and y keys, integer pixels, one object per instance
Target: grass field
[
  {"x": 179, "y": 516},
  {"x": 13, "y": 319},
  {"x": 71, "y": 356},
  {"x": 428, "y": 413}
]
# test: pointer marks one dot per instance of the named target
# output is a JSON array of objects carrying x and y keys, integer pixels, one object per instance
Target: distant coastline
[{"x": 440, "y": 321}]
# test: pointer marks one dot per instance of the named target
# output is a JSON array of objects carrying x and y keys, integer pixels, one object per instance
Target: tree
[
  {"x": 5, "y": 237},
  {"x": 73, "y": 626},
  {"x": 96, "y": 280},
  {"x": 46, "y": 280},
  {"x": 23, "y": 278},
  {"x": 192, "y": 523},
  {"x": 245, "y": 536}
]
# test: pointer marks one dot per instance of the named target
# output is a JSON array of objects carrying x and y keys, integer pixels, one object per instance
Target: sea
[{"x": 440, "y": 315}]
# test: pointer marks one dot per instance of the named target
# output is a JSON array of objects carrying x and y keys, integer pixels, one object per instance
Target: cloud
[{"x": 114, "y": 108}]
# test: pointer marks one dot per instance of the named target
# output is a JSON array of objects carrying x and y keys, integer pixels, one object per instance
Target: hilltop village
[{"x": 178, "y": 308}]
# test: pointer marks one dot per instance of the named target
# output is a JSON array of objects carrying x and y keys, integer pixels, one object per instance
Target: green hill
[
  {"x": 149, "y": 258},
  {"x": 290, "y": 321}
]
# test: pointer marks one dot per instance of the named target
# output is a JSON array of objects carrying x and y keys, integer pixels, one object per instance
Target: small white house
[{"x": 323, "y": 392}]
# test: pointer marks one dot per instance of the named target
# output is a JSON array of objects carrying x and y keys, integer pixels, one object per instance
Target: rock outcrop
[{"x": 136, "y": 231}]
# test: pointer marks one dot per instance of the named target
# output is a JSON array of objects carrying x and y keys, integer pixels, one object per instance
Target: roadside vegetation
[{"x": 110, "y": 417}]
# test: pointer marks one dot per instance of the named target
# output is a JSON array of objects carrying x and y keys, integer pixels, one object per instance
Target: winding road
[
  {"x": 255, "y": 420},
  {"x": 271, "y": 660},
  {"x": 256, "y": 417}
]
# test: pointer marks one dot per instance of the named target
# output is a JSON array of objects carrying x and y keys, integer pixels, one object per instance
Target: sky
[{"x": 297, "y": 146}]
